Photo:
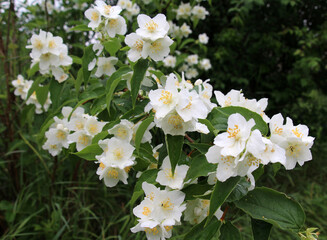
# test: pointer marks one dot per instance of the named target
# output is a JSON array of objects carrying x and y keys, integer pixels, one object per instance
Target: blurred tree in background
[{"x": 269, "y": 48}]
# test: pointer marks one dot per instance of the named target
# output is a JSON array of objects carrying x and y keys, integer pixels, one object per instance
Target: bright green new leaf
[
  {"x": 90, "y": 152},
  {"x": 220, "y": 194},
  {"x": 174, "y": 148},
  {"x": 112, "y": 46},
  {"x": 203, "y": 231},
  {"x": 138, "y": 75},
  {"x": 229, "y": 232},
  {"x": 273, "y": 207}
]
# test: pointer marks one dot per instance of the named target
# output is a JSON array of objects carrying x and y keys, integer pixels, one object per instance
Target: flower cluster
[
  {"x": 178, "y": 105},
  {"x": 22, "y": 87},
  {"x": 158, "y": 212},
  {"x": 150, "y": 39},
  {"x": 241, "y": 150},
  {"x": 117, "y": 157},
  {"x": 131, "y": 9},
  {"x": 193, "y": 61},
  {"x": 79, "y": 129},
  {"x": 236, "y": 98},
  {"x": 51, "y": 54},
  {"x": 108, "y": 16},
  {"x": 186, "y": 11}
]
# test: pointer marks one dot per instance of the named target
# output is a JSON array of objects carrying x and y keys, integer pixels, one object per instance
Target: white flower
[
  {"x": 158, "y": 49},
  {"x": 81, "y": 138},
  {"x": 59, "y": 74},
  {"x": 197, "y": 210},
  {"x": 233, "y": 98},
  {"x": 165, "y": 100},
  {"x": 106, "y": 66},
  {"x": 184, "y": 11},
  {"x": 190, "y": 106},
  {"x": 94, "y": 16},
  {"x": 117, "y": 153},
  {"x": 199, "y": 12},
  {"x": 173, "y": 124},
  {"x": 203, "y": 38},
  {"x": 294, "y": 139},
  {"x": 58, "y": 135},
  {"x": 191, "y": 73},
  {"x": 54, "y": 44},
  {"x": 136, "y": 43},
  {"x": 123, "y": 130},
  {"x": 185, "y": 30},
  {"x": 152, "y": 28},
  {"x": 20, "y": 85},
  {"x": 205, "y": 93},
  {"x": 192, "y": 59},
  {"x": 39, "y": 44},
  {"x": 111, "y": 175},
  {"x": 48, "y": 59},
  {"x": 108, "y": 11},
  {"x": 167, "y": 178},
  {"x": 169, "y": 61},
  {"x": 159, "y": 207},
  {"x": 205, "y": 64},
  {"x": 116, "y": 26},
  {"x": 234, "y": 140},
  {"x": 53, "y": 148},
  {"x": 93, "y": 126}
]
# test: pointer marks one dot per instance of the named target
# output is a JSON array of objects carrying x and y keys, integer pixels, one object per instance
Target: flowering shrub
[{"x": 126, "y": 95}]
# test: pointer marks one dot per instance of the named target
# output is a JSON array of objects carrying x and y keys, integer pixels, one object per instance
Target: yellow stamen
[
  {"x": 151, "y": 26},
  {"x": 234, "y": 132},
  {"x": 166, "y": 97},
  {"x": 146, "y": 211}
]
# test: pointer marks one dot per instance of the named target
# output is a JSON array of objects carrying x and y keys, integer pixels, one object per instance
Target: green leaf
[
  {"x": 42, "y": 94},
  {"x": 113, "y": 83},
  {"x": 148, "y": 176},
  {"x": 220, "y": 194},
  {"x": 35, "y": 85},
  {"x": 273, "y": 207},
  {"x": 87, "y": 58},
  {"x": 202, "y": 231},
  {"x": 260, "y": 229},
  {"x": 193, "y": 191},
  {"x": 112, "y": 46},
  {"x": 55, "y": 90},
  {"x": 79, "y": 80},
  {"x": 211, "y": 128},
  {"x": 199, "y": 167},
  {"x": 219, "y": 117},
  {"x": 76, "y": 59},
  {"x": 201, "y": 147},
  {"x": 81, "y": 28},
  {"x": 229, "y": 232},
  {"x": 174, "y": 148},
  {"x": 141, "y": 130},
  {"x": 239, "y": 191},
  {"x": 185, "y": 42},
  {"x": 31, "y": 72},
  {"x": 138, "y": 76},
  {"x": 90, "y": 152}
]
